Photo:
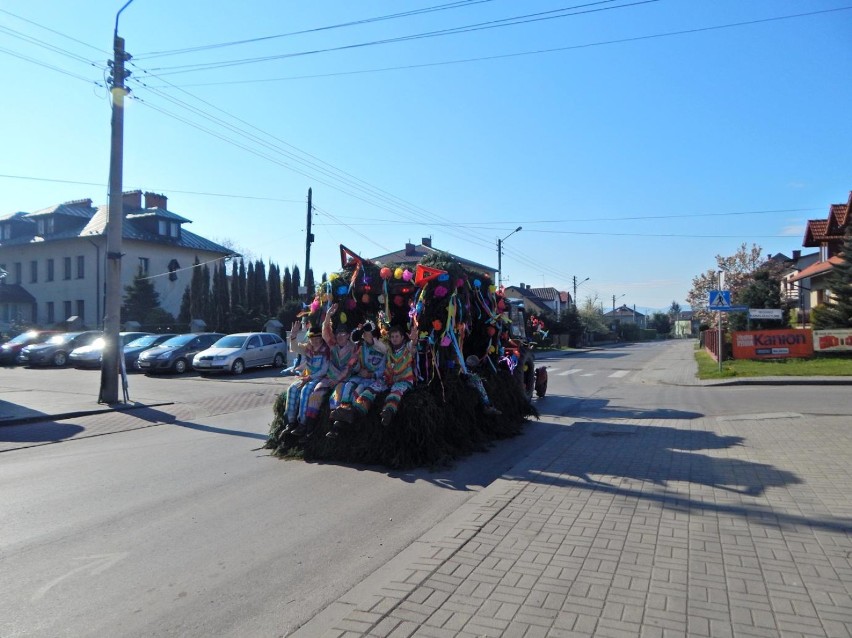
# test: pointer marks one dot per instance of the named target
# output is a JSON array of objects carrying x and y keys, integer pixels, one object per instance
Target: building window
[
  {"x": 163, "y": 226},
  {"x": 50, "y": 270},
  {"x": 33, "y": 271},
  {"x": 45, "y": 226},
  {"x": 81, "y": 266},
  {"x": 81, "y": 308},
  {"x": 66, "y": 262},
  {"x": 18, "y": 273},
  {"x": 51, "y": 318},
  {"x": 7, "y": 231},
  {"x": 144, "y": 263},
  {"x": 67, "y": 306},
  {"x": 174, "y": 229}
]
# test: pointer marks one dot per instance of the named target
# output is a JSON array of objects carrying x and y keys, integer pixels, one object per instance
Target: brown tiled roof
[
  {"x": 815, "y": 232},
  {"x": 819, "y": 268}
]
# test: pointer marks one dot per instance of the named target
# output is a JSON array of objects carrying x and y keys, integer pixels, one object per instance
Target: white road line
[
  {"x": 618, "y": 373},
  {"x": 567, "y": 372}
]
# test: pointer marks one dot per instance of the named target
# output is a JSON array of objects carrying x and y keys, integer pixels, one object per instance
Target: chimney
[
  {"x": 796, "y": 255},
  {"x": 409, "y": 249},
  {"x": 522, "y": 286},
  {"x": 154, "y": 200},
  {"x": 132, "y": 199},
  {"x": 426, "y": 241}
]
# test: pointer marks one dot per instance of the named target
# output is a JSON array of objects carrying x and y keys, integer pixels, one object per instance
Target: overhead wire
[
  {"x": 502, "y": 56},
  {"x": 54, "y": 31},
  {"x": 392, "y": 16},
  {"x": 204, "y": 66}
]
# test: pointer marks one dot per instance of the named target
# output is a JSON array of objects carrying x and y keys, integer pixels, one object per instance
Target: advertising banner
[
  {"x": 833, "y": 340},
  {"x": 772, "y": 344}
]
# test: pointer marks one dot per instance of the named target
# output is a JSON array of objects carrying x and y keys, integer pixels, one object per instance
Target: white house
[{"x": 55, "y": 258}]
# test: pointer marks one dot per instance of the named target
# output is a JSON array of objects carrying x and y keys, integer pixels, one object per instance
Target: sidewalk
[{"x": 623, "y": 529}]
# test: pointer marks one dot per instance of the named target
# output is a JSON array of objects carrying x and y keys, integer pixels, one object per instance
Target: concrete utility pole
[
  {"x": 112, "y": 303},
  {"x": 309, "y": 239},
  {"x": 575, "y": 289}
]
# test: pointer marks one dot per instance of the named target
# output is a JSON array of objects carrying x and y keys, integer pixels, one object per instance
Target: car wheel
[
  {"x": 238, "y": 367},
  {"x": 179, "y": 366},
  {"x": 278, "y": 361},
  {"x": 60, "y": 359}
]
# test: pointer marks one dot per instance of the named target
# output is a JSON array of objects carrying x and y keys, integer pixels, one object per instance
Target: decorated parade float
[{"x": 467, "y": 333}]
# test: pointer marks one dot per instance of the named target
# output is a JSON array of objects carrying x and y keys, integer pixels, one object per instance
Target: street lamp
[
  {"x": 613, "y": 300},
  {"x": 576, "y": 283},
  {"x": 500, "y": 256}
]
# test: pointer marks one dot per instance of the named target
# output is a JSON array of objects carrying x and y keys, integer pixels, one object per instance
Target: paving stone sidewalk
[{"x": 711, "y": 527}]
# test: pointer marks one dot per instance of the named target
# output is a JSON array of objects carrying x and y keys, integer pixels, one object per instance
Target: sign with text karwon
[{"x": 772, "y": 344}]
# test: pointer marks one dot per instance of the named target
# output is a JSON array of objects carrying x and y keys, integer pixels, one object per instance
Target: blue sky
[{"x": 633, "y": 141}]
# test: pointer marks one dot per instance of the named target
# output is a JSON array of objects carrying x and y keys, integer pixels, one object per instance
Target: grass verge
[{"x": 821, "y": 365}]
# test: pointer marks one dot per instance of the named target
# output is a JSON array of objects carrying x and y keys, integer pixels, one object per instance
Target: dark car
[
  {"x": 55, "y": 350},
  {"x": 176, "y": 354},
  {"x": 135, "y": 348},
  {"x": 10, "y": 350}
]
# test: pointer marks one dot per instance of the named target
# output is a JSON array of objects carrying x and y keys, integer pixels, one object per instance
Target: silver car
[{"x": 234, "y": 353}]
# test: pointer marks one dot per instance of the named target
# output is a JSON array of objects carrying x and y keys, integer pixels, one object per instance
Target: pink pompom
[
  {"x": 407, "y": 275},
  {"x": 445, "y": 341},
  {"x": 441, "y": 291},
  {"x": 351, "y": 304}
]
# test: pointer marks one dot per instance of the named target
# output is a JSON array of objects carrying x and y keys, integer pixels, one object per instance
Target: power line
[
  {"x": 521, "y": 53},
  {"x": 505, "y": 22},
  {"x": 41, "y": 26},
  {"x": 164, "y": 190},
  {"x": 403, "y": 14},
  {"x": 50, "y": 47},
  {"x": 26, "y": 58}
]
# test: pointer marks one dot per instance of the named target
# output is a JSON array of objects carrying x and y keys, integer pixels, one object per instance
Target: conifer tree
[
  {"x": 297, "y": 283},
  {"x": 242, "y": 284},
  {"x": 836, "y": 312},
  {"x": 206, "y": 298},
  {"x": 196, "y": 288},
  {"x": 261, "y": 292},
  {"x": 236, "y": 300},
  {"x": 139, "y": 298},
  {"x": 274, "y": 288},
  {"x": 251, "y": 290},
  {"x": 287, "y": 285},
  {"x": 309, "y": 282},
  {"x": 184, "y": 314}
]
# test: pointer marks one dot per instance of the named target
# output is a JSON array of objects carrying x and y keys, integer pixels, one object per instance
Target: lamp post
[
  {"x": 500, "y": 256},
  {"x": 613, "y": 300},
  {"x": 719, "y": 347},
  {"x": 576, "y": 283}
]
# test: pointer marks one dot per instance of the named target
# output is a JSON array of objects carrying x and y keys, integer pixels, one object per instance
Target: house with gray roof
[
  {"x": 412, "y": 254},
  {"x": 55, "y": 258}
]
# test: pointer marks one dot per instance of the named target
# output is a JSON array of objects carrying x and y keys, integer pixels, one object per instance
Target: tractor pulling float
[{"x": 459, "y": 314}]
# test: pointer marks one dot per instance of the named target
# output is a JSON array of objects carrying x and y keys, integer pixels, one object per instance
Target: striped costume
[
  {"x": 399, "y": 376},
  {"x": 369, "y": 372},
  {"x": 315, "y": 367},
  {"x": 339, "y": 370}
]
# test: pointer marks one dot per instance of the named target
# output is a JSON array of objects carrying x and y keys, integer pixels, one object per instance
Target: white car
[{"x": 237, "y": 352}]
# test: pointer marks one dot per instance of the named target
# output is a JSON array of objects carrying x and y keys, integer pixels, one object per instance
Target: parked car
[
  {"x": 55, "y": 350},
  {"x": 237, "y": 352},
  {"x": 176, "y": 354},
  {"x": 10, "y": 350},
  {"x": 135, "y": 348},
  {"x": 90, "y": 356}
]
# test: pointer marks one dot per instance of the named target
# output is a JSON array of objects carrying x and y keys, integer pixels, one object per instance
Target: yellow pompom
[
  {"x": 492, "y": 288},
  {"x": 491, "y": 349},
  {"x": 333, "y": 276},
  {"x": 397, "y": 274},
  {"x": 342, "y": 317}
]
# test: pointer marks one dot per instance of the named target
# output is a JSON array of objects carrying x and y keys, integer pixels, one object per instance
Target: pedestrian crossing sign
[{"x": 720, "y": 300}]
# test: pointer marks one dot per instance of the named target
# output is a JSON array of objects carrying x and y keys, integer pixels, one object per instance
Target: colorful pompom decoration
[
  {"x": 365, "y": 298},
  {"x": 381, "y": 299},
  {"x": 343, "y": 317},
  {"x": 444, "y": 277},
  {"x": 445, "y": 341},
  {"x": 407, "y": 275},
  {"x": 385, "y": 273},
  {"x": 491, "y": 330},
  {"x": 397, "y": 274},
  {"x": 492, "y": 288},
  {"x": 437, "y": 325},
  {"x": 333, "y": 276},
  {"x": 342, "y": 290},
  {"x": 351, "y": 304},
  {"x": 441, "y": 291},
  {"x": 459, "y": 282},
  {"x": 477, "y": 283},
  {"x": 398, "y": 300}
]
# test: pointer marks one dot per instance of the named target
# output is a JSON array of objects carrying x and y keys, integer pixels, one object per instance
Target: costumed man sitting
[
  {"x": 399, "y": 377},
  {"x": 342, "y": 358},
  {"x": 312, "y": 369},
  {"x": 369, "y": 372}
]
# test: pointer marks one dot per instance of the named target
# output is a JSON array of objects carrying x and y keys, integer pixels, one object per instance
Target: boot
[
  {"x": 387, "y": 417},
  {"x": 343, "y": 413}
]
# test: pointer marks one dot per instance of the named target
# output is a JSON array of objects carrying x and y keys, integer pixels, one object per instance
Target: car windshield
[
  {"x": 24, "y": 337},
  {"x": 231, "y": 341},
  {"x": 180, "y": 340},
  {"x": 148, "y": 340},
  {"x": 60, "y": 339}
]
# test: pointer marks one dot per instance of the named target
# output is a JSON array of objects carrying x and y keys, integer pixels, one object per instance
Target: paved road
[{"x": 635, "y": 506}]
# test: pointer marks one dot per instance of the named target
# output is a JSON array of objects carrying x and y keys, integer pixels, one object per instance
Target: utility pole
[
  {"x": 112, "y": 276},
  {"x": 309, "y": 239},
  {"x": 575, "y": 289},
  {"x": 500, "y": 256}
]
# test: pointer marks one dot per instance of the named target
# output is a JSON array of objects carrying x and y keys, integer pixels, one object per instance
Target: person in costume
[
  {"x": 473, "y": 380},
  {"x": 312, "y": 370},
  {"x": 399, "y": 375},
  {"x": 342, "y": 358},
  {"x": 369, "y": 372}
]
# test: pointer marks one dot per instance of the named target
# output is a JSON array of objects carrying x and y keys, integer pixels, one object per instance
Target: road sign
[
  {"x": 719, "y": 300},
  {"x": 766, "y": 313}
]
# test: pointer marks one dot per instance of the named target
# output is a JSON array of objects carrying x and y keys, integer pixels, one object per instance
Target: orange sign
[
  {"x": 833, "y": 340},
  {"x": 772, "y": 344}
]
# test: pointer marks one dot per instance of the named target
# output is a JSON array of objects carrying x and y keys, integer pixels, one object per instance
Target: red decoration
[
  {"x": 398, "y": 300},
  {"x": 348, "y": 258},
  {"x": 385, "y": 273},
  {"x": 437, "y": 325},
  {"x": 424, "y": 274}
]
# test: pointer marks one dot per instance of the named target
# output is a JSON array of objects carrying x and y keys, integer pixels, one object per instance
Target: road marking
[
  {"x": 567, "y": 372},
  {"x": 618, "y": 373}
]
